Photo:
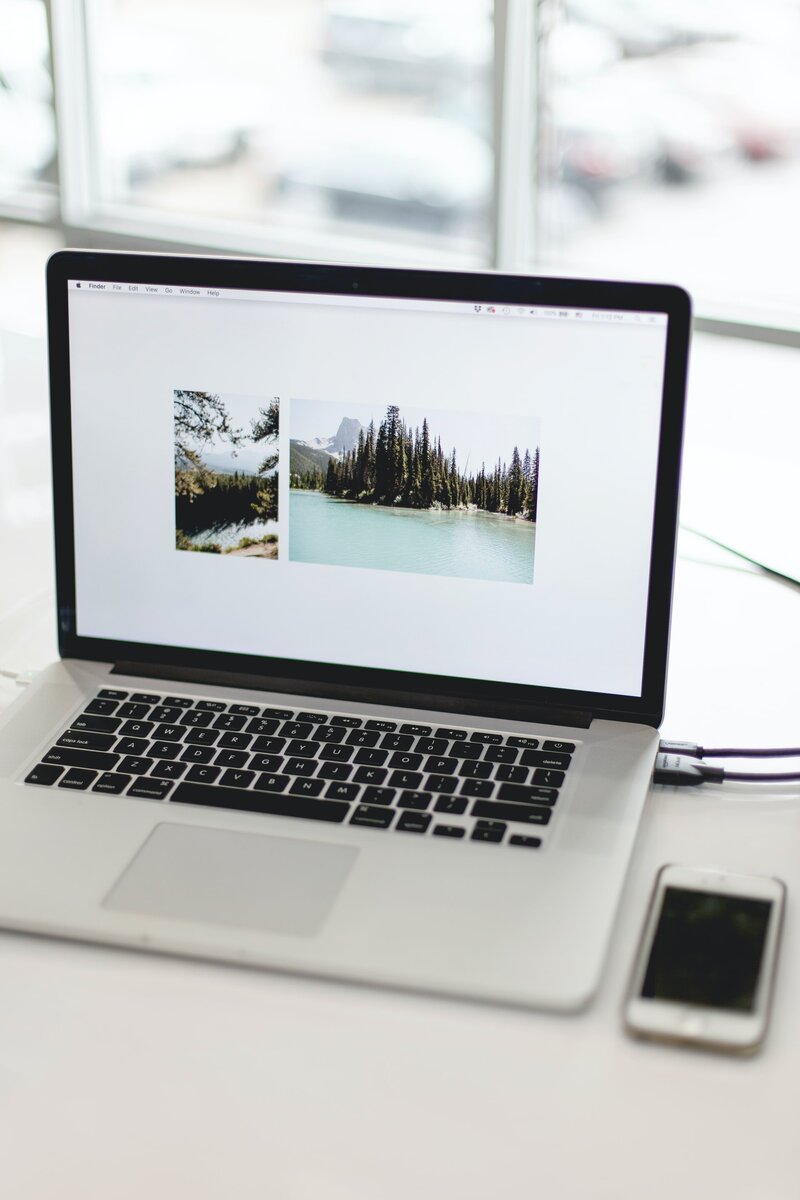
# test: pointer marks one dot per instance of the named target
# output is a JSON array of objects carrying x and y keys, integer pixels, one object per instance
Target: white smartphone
[{"x": 706, "y": 961}]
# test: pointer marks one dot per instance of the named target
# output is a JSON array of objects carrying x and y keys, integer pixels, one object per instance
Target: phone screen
[{"x": 707, "y": 950}]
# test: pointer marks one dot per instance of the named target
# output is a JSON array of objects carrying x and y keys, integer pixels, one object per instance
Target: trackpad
[{"x": 254, "y": 880}]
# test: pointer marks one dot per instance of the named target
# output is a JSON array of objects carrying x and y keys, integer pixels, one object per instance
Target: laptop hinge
[{"x": 441, "y": 702}]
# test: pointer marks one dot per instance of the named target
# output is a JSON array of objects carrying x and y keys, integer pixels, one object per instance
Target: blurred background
[{"x": 645, "y": 138}]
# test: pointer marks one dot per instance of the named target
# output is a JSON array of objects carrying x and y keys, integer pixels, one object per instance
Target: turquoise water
[{"x": 471, "y": 545}]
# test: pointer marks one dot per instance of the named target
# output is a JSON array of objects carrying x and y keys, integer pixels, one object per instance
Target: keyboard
[{"x": 411, "y": 778}]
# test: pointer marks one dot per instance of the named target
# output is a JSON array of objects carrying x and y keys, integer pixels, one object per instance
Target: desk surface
[{"x": 125, "y": 1075}]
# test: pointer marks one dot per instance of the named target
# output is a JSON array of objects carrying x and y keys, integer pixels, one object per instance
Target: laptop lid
[{"x": 446, "y": 489}]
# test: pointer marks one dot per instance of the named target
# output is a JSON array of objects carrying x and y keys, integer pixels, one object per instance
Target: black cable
[
  {"x": 691, "y": 750},
  {"x": 678, "y": 770}
]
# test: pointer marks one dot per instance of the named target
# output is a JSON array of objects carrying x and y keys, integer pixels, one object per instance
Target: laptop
[{"x": 363, "y": 593}]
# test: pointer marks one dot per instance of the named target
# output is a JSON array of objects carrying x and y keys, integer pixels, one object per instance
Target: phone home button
[{"x": 691, "y": 1024}]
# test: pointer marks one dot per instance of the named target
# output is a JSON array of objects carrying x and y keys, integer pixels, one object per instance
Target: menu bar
[{"x": 536, "y": 312}]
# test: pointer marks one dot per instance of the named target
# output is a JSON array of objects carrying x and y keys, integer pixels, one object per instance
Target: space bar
[{"x": 262, "y": 802}]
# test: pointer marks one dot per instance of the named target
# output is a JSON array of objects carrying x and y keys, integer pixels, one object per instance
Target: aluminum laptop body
[{"x": 327, "y": 538}]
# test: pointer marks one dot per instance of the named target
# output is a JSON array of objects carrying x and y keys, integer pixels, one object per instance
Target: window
[{"x": 641, "y": 138}]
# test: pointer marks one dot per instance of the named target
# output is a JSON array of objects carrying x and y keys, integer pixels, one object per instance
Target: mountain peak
[{"x": 346, "y": 437}]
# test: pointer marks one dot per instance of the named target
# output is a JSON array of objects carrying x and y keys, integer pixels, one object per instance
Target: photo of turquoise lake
[{"x": 468, "y": 544}]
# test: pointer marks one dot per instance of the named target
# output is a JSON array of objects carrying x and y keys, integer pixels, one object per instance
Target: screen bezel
[{"x": 416, "y": 689}]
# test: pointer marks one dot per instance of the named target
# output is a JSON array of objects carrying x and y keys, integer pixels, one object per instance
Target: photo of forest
[
  {"x": 468, "y": 483},
  {"x": 226, "y": 473}
]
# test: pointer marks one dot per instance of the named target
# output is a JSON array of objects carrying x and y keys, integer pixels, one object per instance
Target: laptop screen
[{"x": 429, "y": 486}]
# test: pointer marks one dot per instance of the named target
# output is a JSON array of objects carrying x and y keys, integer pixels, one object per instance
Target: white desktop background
[{"x": 593, "y": 391}]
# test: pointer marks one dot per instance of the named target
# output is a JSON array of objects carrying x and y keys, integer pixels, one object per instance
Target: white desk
[{"x": 124, "y": 1075}]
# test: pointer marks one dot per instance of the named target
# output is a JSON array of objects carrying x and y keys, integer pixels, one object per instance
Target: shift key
[
  {"x": 65, "y": 756},
  {"x": 528, "y": 814}
]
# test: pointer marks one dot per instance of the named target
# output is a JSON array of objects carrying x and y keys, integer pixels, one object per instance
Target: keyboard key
[
  {"x": 381, "y": 726},
  {"x": 43, "y": 774},
  {"x": 336, "y": 753},
  {"x": 452, "y": 735},
  {"x": 277, "y": 714},
  {"x": 563, "y": 747},
  {"x": 136, "y": 729},
  {"x": 198, "y": 754},
  {"x": 405, "y": 779},
  {"x": 487, "y": 835},
  {"x": 397, "y": 741},
  {"x": 202, "y": 774},
  {"x": 527, "y": 795},
  {"x": 199, "y": 719},
  {"x": 264, "y": 762},
  {"x": 451, "y": 804},
  {"x": 166, "y": 769},
  {"x": 144, "y": 698},
  {"x": 77, "y": 779},
  {"x": 431, "y": 746},
  {"x": 512, "y": 774},
  {"x": 87, "y": 741},
  {"x": 244, "y": 710},
  {"x": 269, "y": 745},
  {"x": 238, "y": 778},
  {"x": 370, "y": 775},
  {"x": 363, "y": 737},
  {"x": 66, "y": 756},
  {"x": 133, "y": 710},
  {"x": 261, "y": 800},
  {"x": 370, "y": 758},
  {"x": 230, "y": 721},
  {"x": 378, "y": 795},
  {"x": 548, "y": 778},
  {"x": 342, "y": 791},
  {"x": 166, "y": 712},
  {"x": 135, "y": 766},
  {"x": 168, "y": 750},
  {"x": 299, "y": 766},
  {"x": 405, "y": 762},
  {"x": 270, "y": 782},
  {"x": 493, "y": 826},
  {"x": 302, "y": 749},
  {"x": 259, "y": 725},
  {"x": 178, "y": 701},
  {"x": 314, "y": 717},
  {"x": 501, "y": 754},
  {"x": 441, "y": 783},
  {"x": 96, "y": 724},
  {"x": 102, "y": 708},
  {"x": 329, "y": 733},
  {"x": 235, "y": 741},
  {"x": 523, "y": 839},
  {"x": 488, "y": 739},
  {"x": 452, "y": 831},
  {"x": 466, "y": 750},
  {"x": 232, "y": 758},
  {"x": 169, "y": 733},
  {"x": 365, "y": 814},
  {"x": 306, "y": 787},
  {"x": 346, "y": 722},
  {"x": 112, "y": 784},
  {"x": 476, "y": 787},
  {"x": 412, "y": 799},
  {"x": 476, "y": 770},
  {"x": 527, "y": 814},
  {"x": 332, "y": 770},
  {"x": 442, "y": 766},
  {"x": 112, "y": 694},
  {"x": 150, "y": 789},
  {"x": 543, "y": 758},
  {"x": 213, "y": 706},
  {"x": 417, "y": 730},
  {"x": 201, "y": 737},
  {"x": 296, "y": 729},
  {"x": 413, "y": 822},
  {"x": 524, "y": 743}
]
